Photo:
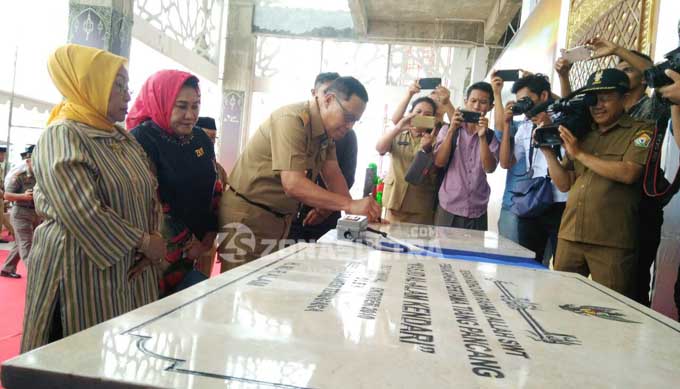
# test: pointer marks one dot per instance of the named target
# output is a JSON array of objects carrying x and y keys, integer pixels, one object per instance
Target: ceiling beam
[
  {"x": 358, "y": 10},
  {"x": 451, "y": 32},
  {"x": 501, "y": 15}
]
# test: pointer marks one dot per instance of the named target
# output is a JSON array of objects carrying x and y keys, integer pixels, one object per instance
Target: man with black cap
[
  {"x": 207, "y": 124},
  {"x": 602, "y": 173},
  {"x": 23, "y": 216}
]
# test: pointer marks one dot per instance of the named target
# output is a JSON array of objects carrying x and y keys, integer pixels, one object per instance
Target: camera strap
[
  {"x": 654, "y": 184},
  {"x": 532, "y": 158}
]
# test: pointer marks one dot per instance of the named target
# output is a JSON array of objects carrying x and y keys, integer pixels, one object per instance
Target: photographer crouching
[{"x": 602, "y": 173}]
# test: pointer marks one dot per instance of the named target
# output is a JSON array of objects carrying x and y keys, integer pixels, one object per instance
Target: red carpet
[{"x": 12, "y": 295}]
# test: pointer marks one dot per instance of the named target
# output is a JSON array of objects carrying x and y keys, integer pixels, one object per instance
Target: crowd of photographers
[{"x": 576, "y": 164}]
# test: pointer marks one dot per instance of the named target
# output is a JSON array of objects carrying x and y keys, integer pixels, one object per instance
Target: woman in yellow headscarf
[{"x": 90, "y": 257}]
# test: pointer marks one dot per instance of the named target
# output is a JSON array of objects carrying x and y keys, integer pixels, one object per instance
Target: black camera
[
  {"x": 470, "y": 116},
  {"x": 522, "y": 106},
  {"x": 655, "y": 76},
  {"x": 570, "y": 112}
]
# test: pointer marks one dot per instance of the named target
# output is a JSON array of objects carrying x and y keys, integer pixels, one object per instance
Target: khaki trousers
[
  {"x": 5, "y": 219},
  {"x": 610, "y": 266},
  {"x": 248, "y": 231},
  {"x": 395, "y": 216}
]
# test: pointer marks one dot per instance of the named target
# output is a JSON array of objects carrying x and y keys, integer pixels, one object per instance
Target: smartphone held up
[
  {"x": 420, "y": 121},
  {"x": 576, "y": 54},
  {"x": 429, "y": 83},
  {"x": 508, "y": 75}
]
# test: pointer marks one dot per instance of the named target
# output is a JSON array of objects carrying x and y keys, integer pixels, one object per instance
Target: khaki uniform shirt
[
  {"x": 291, "y": 139},
  {"x": 599, "y": 210},
  {"x": 20, "y": 183},
  {"x": 399, "y": 195}
]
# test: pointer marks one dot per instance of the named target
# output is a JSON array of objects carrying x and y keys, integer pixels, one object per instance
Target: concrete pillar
[
  {"x": 237, "y": 80},
  {"x": 105, "y": 24},
  {"x": 459, "y": 78},
  {"x": 480, "y": 65}
]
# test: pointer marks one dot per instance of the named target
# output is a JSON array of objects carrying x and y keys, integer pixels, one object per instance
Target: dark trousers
[
  {"x": 649, "y": 238},
  {"x": 536, "y": 232},
  {"x": 443, "y": 218},
  {"x": 301, "y": 233}
]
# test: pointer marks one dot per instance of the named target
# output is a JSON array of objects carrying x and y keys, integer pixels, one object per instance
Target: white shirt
[{"x": 539, "y": 165}]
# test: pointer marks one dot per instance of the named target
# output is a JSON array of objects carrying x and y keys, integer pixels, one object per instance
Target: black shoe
[
  {"x": 4, "y": 241},
  {"x": 9, "y": 274}
]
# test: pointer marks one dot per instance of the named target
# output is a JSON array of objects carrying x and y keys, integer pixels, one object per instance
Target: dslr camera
[
  {"x": 522, "y": 106},
  {"x": 570, "y": 112},
  {"x": 655, "y": 75}
]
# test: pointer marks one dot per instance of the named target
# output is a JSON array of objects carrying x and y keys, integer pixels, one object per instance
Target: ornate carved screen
[{"x": 625, "y": 22}]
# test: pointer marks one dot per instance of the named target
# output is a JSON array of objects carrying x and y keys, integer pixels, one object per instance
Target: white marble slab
[
  {"x": 328, "y": 316},
  {"x": 472, "y": 241}
]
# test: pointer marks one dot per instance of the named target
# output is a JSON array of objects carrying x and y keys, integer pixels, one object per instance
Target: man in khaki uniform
[
  {"x": 277, "y": 169},
  {"x": 3, "y": 218},
  {"x": 599, "y": 226},
  {"x": 24, "y": 218}
]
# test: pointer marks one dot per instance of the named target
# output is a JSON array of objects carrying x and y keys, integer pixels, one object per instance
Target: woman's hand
[
  {"x": 195, "y": 248},
  {"x": 444, "y": 95},
  {"x": 141, "y": 263},
  {"x": 414, "y": 88},
  {"x": 154, "y": 247},
  {"x": 405, "y": 122},
  {"x": 138, "y": 267},
  {"x": 427, "y": 141}
]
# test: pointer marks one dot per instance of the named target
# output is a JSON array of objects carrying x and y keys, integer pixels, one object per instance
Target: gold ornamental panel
[{"x": 628, "y": 23}]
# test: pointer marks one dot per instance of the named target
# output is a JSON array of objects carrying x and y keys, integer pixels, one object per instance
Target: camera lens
[
  {"x": 655, "y": 76},
  {"x": 522, "y": 106}
]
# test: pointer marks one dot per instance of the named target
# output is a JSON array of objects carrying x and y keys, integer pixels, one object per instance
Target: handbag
[
  {"x": 532, "y": 197},
  {"x": 420, "y": 168}
]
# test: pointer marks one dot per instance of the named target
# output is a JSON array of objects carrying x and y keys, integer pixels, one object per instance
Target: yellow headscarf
[{"x": 84, "y": 76}]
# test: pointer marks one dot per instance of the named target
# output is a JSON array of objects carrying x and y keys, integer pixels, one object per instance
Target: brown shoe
[{"x": 9, "y": 274}]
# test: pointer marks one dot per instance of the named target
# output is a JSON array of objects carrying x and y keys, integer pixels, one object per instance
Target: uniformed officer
[
  {"x": 3, "y": 219},
  {"x": 404, "y": 201},
  {"x": 23, "y": 216},
  {"x": 599, "y": 226},
  {"x": 276, "y": 170},
  {"x": 306, "y": 228}
]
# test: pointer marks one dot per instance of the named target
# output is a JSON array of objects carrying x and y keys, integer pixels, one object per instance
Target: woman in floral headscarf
[
  {"x": 94, "y": 191},
  {"x": 163, "y": 119}
]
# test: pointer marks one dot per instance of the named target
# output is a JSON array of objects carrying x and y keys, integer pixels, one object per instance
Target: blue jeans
[{"x": 508, "y": 225}]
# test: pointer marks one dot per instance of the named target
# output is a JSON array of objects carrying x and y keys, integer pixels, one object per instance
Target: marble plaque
[{"x": 329, "y": 316}]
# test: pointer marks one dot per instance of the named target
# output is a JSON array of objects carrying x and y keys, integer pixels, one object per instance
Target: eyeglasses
[{"x": 347, "y": 116}]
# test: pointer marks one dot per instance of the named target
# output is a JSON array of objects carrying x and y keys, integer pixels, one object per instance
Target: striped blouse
[{"x": 96, "y": 196}]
